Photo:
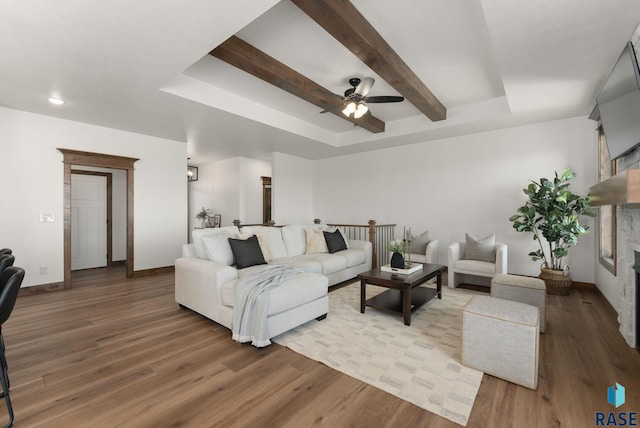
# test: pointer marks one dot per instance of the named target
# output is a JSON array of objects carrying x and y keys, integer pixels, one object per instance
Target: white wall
[
  {"x": 201, "y": 195},
  {"x": 251, "y": 189},
  {"x": 292, "y": 190},
  {"x": 231, "y": 188},
  {"x": 31, "y": 170},
  {"x": 469, "y": 184}
]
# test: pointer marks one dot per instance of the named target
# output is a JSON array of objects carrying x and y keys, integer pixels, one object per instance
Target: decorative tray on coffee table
[{"x": 408, "y": 268}]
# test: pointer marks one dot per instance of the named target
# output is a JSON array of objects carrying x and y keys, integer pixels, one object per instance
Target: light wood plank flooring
[{"x": 114, "y": 352}]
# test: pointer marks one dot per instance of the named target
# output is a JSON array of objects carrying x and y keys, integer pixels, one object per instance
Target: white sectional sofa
[{"x": 205, "y": 275}]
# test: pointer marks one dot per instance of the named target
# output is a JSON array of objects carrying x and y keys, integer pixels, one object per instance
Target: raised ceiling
[{"x": 144, "y": 67}]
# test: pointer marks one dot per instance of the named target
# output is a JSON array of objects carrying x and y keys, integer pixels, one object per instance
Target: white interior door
[{"x": 88, "y": 221}]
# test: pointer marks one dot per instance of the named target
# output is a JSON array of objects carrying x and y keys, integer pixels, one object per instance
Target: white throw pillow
[
  {"x": 217, "y": 248},
  {"x": 198, "y": 234},
  {"x": 315, "y": 242}
]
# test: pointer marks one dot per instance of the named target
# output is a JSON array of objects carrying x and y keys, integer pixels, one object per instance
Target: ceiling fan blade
[
  {"x": 364, "y": 87},
  {"x": 384, "y": 99}
]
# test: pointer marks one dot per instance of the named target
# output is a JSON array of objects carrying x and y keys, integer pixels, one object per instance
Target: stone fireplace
[
  {"x": 628, "y": 253},
  {"x": 636, "y": 268},
  {"x": 623, "y": 190}
]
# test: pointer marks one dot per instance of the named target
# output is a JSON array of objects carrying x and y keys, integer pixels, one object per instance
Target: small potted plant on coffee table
[{"x": 397, "y": 247}]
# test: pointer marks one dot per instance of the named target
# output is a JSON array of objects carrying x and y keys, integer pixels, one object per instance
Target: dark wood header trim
[{"x": 77, "y": 157}]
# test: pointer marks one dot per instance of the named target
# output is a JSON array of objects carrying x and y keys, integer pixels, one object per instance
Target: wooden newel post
[{"x": 372, "y": 239}]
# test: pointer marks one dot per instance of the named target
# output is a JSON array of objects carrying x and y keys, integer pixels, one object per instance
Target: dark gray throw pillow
[
  {"x": 246, "y": 252},
  {"x": 335, "y": 241}
]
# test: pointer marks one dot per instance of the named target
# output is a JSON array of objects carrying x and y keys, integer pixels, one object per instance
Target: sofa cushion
[
  {"x": 315, "y": 242},
  {"x": 297, "y": 291},
  {"x": 276, "y": 243},
  {"x": 198, "y": 234},
  {"x": 295, "y": 240},
  {"x": 474, "y": 267},
  {"x": 480, "y": 249},
  {"x": 246, "y": 252},
  {"x": 354, "y": 257},
  {"x": 311, "y": 265},
  {"x": 218, "y": 249},
  {"x": 270, "y": 239},
  {"x": 335, "y": 241},
  {"x": 330, "y": 262}
]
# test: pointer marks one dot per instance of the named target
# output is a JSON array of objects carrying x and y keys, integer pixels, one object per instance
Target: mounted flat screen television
[{"x": 619, "y": 105}]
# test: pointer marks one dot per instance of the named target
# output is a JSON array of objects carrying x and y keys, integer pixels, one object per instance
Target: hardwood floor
[{"x": 117, "y": 352}]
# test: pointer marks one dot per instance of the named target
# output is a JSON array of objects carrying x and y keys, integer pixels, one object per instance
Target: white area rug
[{"x": 418, "y": 363}]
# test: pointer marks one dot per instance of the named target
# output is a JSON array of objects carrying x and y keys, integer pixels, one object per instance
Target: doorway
[
  {"x": 91, "y": 225},
  {"x": 266, "y": 199},
  {"x": 78, "y": 158}
]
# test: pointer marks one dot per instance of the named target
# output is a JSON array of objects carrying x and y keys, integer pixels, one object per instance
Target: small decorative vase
[
  {"x": 556, "y": 281},
  {"x": 397, "y": 261}
]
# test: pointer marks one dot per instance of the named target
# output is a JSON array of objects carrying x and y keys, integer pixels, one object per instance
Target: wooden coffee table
[{"x": 403, "y": 294}]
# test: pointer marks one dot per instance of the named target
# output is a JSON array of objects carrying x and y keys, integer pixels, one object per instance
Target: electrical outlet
[
  {"x": 44, "y": 270},
  {"x": 46, "y": 218}
]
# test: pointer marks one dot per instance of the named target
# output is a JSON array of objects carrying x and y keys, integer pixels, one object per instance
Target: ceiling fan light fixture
[
  {"x": 349, "y": 109},
  {"x": 360, "y": 110}
]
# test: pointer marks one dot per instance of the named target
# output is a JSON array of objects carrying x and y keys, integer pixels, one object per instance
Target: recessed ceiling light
[{"x": 56, "y": 101}]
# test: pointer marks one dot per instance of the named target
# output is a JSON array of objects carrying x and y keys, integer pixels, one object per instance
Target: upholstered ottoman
[
  {"x": 500, "y": 337},
  {"x": 523, "y": 289}
]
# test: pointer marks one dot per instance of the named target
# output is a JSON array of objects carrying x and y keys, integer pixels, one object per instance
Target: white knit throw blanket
[{"x": 249, "y": 323}]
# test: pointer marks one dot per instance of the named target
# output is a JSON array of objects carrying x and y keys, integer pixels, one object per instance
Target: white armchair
[
  {"x": 474, "y": 272},
  {"x": 429, "y": 256}
]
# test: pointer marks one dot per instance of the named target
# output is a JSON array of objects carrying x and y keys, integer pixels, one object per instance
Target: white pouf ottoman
[
  {"x": 523, "y": 289},
  {"x": 500, "y": 337}
]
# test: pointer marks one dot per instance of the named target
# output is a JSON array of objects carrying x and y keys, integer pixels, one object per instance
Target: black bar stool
[
  {"x": 10, "y": 281},
  {"x": 6, "y": 260}
]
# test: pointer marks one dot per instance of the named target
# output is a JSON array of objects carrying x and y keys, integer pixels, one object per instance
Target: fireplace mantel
[{"x": 621, "y": 189}]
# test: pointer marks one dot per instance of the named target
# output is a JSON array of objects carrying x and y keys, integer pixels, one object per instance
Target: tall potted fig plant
[{"x": 552, "y": 214}]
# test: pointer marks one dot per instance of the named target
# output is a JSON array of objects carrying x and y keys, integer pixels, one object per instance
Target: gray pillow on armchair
[
  {"x": 483, "y": 250},
  {"x": 419, "y": 243}
]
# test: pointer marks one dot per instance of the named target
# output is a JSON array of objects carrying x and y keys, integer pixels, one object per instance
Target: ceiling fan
[{"x": 355, "y": 99}]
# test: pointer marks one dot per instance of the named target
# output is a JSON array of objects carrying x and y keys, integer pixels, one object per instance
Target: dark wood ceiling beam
[
  {"x": 248, "y": 58},
  {"x": 343, "y": 21}
]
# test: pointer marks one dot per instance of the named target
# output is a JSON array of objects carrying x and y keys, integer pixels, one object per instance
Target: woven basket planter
[{"x": 555, "y": 281}]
